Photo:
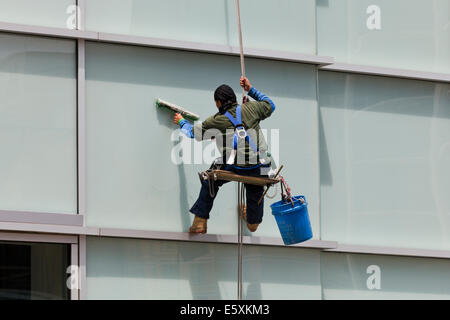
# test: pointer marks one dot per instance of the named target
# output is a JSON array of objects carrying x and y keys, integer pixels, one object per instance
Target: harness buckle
[{"x": 241, "y": 132}]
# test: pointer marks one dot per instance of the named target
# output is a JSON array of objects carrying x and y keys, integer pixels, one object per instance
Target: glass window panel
[
  {"x": 280, "y": 273},
  {"x": 33, "y": 271},
  {"x": 286, "y": 25},
  {"x": 49, "y": 13},
  {"x": 293, "y": 89},
  {"x": 147, "y": 269},
  {"x": 37, "y": 124},
  {"x": 131, "y": 179},
  {"x": 405, "y": 34},
  {"x": 358, "y": 276},
  {"x": 384, "y": 160}
]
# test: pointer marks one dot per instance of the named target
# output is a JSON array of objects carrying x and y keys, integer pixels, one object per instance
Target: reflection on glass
[
  {"x": 404, "y": 34},
  {"x": 361, "y": 277},
  {"x": 147, "y": 269},
  {"x": 37, "y": 124},
  {"x": 49, "y": 13},
  {"x": 384, "y": 155},
  {"x": 286, "y": 25},
  {"x": 280, "y": 273}
]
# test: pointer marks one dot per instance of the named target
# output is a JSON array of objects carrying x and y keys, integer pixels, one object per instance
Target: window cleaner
[
  {"x": 238, "y": 145},
  {"x": 238, "y": 119}
]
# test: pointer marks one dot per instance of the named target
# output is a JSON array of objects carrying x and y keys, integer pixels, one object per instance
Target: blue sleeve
[
  {"x": 186, "y": 128},
  {"x": 258, "y": 96}
]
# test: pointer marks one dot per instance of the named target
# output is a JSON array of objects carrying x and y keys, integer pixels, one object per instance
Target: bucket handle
[{"x": 267, "y": 189}]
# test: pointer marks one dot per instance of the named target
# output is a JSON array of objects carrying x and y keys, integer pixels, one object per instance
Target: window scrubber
[{"x": 177, "y": 109}]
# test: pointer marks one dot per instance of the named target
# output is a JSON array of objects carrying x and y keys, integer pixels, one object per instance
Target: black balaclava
[{"x": 226, "y": 95}]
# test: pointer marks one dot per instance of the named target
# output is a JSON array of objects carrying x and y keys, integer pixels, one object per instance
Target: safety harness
[{"x": 239, "y": 134}]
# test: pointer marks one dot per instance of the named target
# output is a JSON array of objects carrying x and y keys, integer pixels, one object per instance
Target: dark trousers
[{"x": 204, "y": 203}]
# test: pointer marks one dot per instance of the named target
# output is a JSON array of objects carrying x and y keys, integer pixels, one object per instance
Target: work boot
[
  {"x": 250, "y": 227},
  {"x": 199, "y": 225}
]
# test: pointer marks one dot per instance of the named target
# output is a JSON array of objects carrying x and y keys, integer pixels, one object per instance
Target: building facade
[{"x": 93, "y": 205}]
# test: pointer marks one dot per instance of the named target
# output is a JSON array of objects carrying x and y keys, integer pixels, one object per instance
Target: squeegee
[{"x": 177, "y": 109}]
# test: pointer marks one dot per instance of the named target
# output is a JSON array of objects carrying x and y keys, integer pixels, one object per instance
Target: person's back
[
  {"x": 236, "y": 129},
  {"x": 252, "y": 113}
]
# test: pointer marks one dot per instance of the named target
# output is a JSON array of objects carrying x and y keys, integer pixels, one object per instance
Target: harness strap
[
  {"x": 238, "y": 125},
  {"x": 238, "y": 115}
]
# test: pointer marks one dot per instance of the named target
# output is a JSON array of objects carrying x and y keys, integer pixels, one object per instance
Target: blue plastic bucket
[{"x": 293, "y": 222}]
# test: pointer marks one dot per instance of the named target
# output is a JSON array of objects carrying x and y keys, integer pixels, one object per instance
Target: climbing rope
[
  {"x": 241, "y": 208},
  {"x": 241, "y": 191},
  {"x": 241, "y": 46}
]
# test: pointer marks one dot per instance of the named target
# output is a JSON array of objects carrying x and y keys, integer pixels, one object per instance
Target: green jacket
[{"x": 221, "y": 128}]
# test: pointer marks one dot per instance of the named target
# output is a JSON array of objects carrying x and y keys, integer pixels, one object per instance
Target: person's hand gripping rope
[{"x": 245, "y": 84}]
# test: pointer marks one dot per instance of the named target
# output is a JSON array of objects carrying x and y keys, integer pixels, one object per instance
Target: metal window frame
[
  {"x": 81, "y": 129},
  {"x": 214, "y": 48},
  {"x": 81, "y": 148},
  {"x": 47, "y": 31},
  {"x": 390, "y": 251},
  {"x": 42, "y": 238},
  {"x": 324, "y": 62},
  {"x": 210, "y": 238},
  {"x": 387, "y": 72},
  {"x": 68, "y": 219},
  {"x": 48, "y": 228},
  {"x": 74, "y": 261},
  {"x": 82, "y": 267},
  {"x": 82, "y": 34},
  {"x": 40, "y": 231}
]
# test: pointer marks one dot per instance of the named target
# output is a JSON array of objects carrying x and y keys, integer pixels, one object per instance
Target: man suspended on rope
[{"x": 242, "y": 145}]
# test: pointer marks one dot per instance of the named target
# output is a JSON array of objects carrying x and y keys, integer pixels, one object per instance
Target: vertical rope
[
  {"x": 240, "y": 206},
  {"x": 241, "y": 189},
  {"x": 241, "y": 46}
]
